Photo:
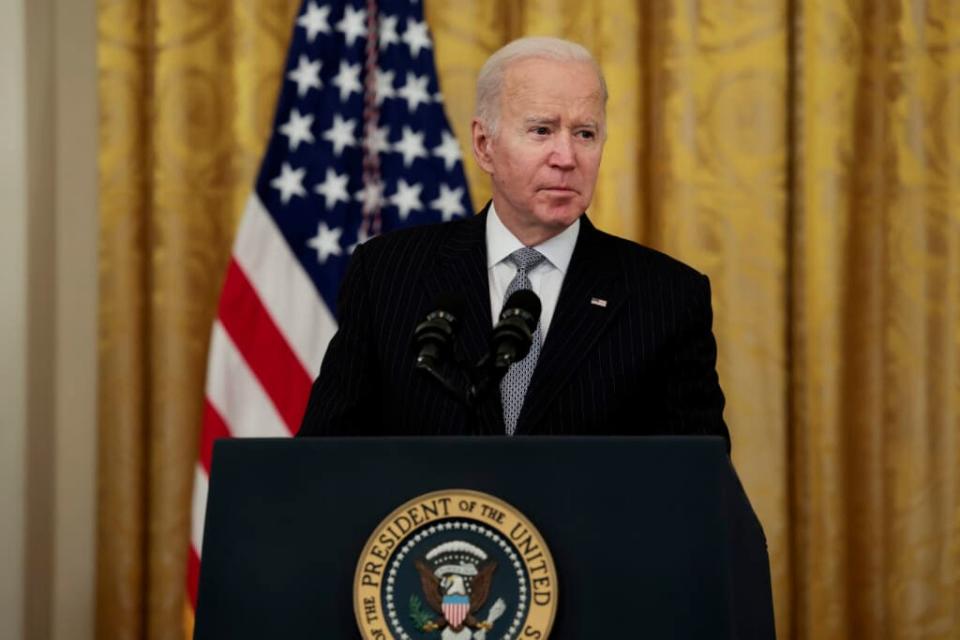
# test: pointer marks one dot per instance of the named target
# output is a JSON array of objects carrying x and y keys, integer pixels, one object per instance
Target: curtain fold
[
  {"x": 123, "y": 350},
  {"x": 187, "y": 92},
  {"x": 875, "y": 387},
  {"x": 804, "y": 154}
]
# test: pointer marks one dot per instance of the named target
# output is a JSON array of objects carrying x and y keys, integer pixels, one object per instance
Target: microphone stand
[
  {"x": 481, "y": 377},
  {"x": 428, "y": 366},
  {"x": 487, "y": 373}
]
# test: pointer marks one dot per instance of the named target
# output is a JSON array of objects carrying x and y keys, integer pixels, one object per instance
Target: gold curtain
[{"x": 805, "y": 154}]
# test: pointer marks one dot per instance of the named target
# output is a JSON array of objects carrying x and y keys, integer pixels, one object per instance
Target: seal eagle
[{"x": 448, "y": 595}]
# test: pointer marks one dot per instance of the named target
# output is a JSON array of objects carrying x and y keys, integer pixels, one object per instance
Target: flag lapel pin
[{"x": 600, "y": 302}]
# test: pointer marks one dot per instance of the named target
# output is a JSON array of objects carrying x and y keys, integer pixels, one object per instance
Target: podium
[{"x": 651, "y": 537}]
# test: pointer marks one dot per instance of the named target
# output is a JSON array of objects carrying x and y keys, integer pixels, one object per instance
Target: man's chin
[{"x": 559, "y": 217}]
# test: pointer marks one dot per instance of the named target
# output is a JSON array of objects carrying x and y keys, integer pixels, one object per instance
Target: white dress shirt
[{"x": 545, "y": 279}]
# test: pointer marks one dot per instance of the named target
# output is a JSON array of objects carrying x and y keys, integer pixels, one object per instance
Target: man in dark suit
[{"x": 624, "y": 345}]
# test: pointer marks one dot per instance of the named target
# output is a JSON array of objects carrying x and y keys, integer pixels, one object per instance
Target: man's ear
[{"x": 482, "y": 141}]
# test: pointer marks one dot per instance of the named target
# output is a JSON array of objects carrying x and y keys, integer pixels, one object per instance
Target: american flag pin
[{"x": 600, "y": 302}]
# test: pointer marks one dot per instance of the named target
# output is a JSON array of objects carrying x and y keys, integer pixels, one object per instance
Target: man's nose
[{"x": 562, "y": 154}]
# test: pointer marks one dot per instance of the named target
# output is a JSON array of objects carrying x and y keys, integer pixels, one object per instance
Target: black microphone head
[
  {"x": 434, "y": 335},
  {"x": 524, "y": 303},
  {"x": 514, "y": 333}
]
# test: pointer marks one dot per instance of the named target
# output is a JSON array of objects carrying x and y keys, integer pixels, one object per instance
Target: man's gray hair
[{"x": 490, "y": 80}]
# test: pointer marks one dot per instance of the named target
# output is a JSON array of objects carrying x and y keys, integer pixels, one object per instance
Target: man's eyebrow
[
  {"x": 551, "y": 120},
  {"x": 541, "y": 120}
]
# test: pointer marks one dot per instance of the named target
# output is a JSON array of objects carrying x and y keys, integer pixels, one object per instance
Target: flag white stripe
[
  {"x": 199, "y": 508},
  {"x": 234, "y": 391},
  {"x": 283, "y": 286}
]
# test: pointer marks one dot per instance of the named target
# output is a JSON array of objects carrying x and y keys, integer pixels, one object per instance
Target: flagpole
[{"x": 371, "y": 116}]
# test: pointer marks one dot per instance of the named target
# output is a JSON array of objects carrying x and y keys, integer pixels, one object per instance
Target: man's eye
[
  {"x": 587, "y": 135},
  {"x": 541, "y": 131}
]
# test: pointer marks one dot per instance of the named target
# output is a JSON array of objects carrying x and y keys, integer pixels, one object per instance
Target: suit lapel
[
  {"x": 462, "y": 269},
  {"x": 592, "y": 293}
]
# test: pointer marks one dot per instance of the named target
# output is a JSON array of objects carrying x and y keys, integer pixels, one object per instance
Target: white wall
[{"x": 48, "y": 278}]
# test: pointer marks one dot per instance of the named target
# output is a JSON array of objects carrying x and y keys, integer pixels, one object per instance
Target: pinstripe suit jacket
[{"x": 642, "y": 364}]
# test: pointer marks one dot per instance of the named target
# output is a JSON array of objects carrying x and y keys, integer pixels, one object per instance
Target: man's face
[{"x": 543, "y": 159}]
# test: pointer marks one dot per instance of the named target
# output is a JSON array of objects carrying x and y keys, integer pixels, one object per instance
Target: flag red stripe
[
  {"x": 213, "y": 427},
  {"x": 193, "y": 576},
  {"x": 264, "y": 347}
]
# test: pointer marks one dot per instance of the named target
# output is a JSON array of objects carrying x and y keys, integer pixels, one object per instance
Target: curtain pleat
[{"x": 875, "y": 389}]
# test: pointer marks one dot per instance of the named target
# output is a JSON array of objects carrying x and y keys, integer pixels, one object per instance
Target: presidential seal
[{"x": 455, "y": 565}]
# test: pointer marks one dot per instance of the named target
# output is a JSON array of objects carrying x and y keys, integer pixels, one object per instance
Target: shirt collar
[{"x": 558, "y": 250}]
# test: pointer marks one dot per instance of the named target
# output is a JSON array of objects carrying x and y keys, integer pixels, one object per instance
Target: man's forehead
[
  {"x": 534, "y": 94},
  {"x": 530, "y": 71},
  {"x": 544, "y": 88}
]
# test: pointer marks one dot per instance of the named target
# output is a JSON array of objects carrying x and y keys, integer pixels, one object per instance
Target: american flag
[{"x": 360, "y": 146}]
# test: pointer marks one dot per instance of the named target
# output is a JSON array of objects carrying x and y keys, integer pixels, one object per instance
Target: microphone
[
  {"x": 513, "y": 334},
  {"x": 434, "y": 336},
  {"x": 509, "y": 342}
]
